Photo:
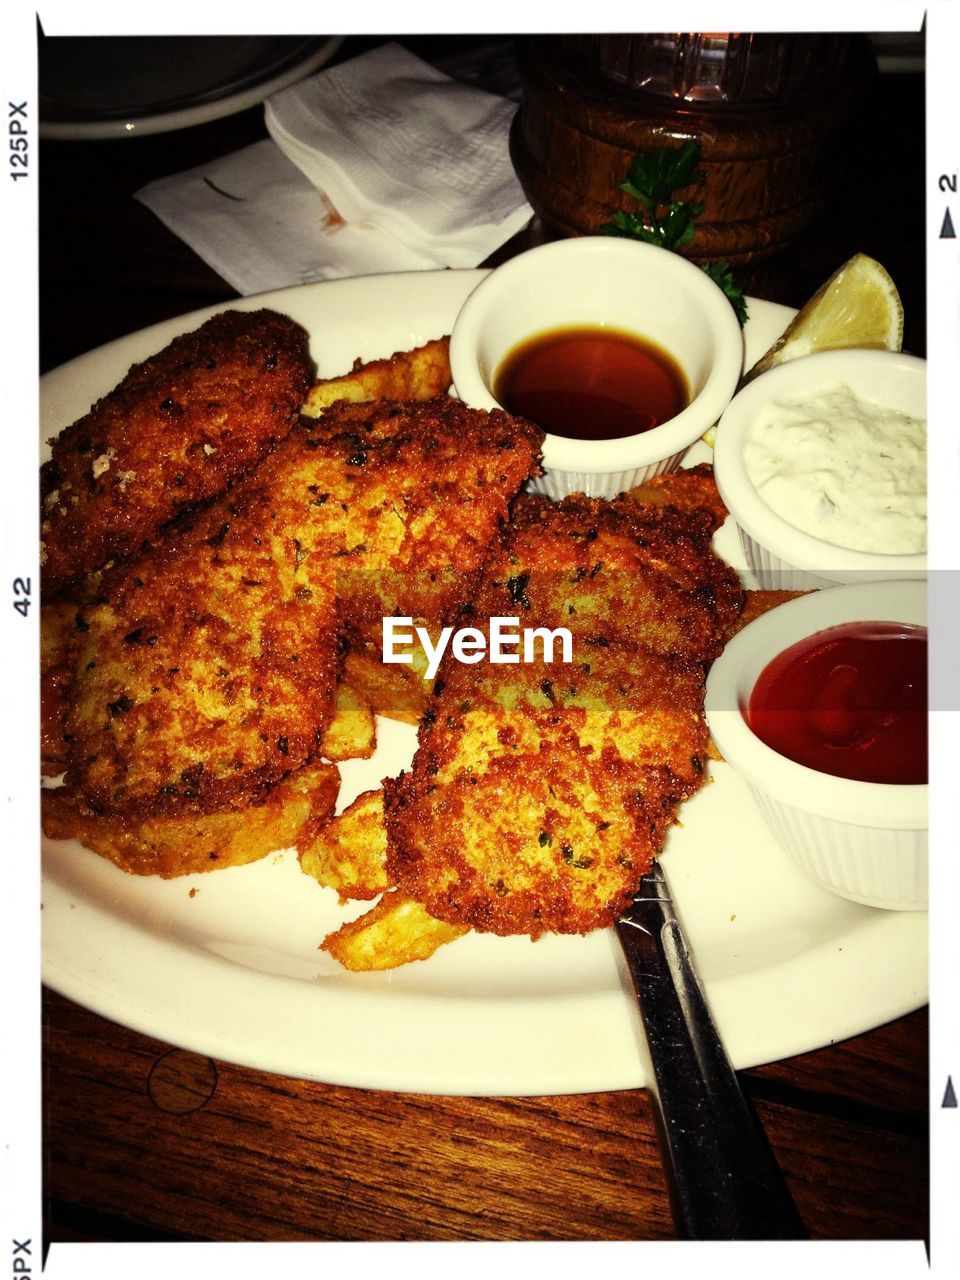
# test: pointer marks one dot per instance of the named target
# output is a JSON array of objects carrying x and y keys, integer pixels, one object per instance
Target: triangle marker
[
  {"x": 950, "y": 1096},
  {"x": 946, "y": 230}
]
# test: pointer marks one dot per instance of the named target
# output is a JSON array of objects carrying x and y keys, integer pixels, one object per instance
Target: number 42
[{"x": 21, "y": 592}]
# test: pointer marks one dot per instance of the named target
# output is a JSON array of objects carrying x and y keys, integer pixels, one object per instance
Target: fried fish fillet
[
  {"x": 206, "y": 670},
  {"x": 428, "y": 488},
  {"x": 540, "y": 793},
  {"x": 205, "y": 673},
  {"x": 536, "y": 805},
  {"x": 613, "y": 569},
  {"x": 419, "y": 374},
  {"x": 179, "y": 428}
]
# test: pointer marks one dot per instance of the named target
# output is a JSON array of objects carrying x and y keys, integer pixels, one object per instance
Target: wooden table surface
[{"x": 144, "y": 1141}]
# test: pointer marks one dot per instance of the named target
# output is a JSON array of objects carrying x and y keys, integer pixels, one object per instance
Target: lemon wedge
[{"x": 859, "y": 306}]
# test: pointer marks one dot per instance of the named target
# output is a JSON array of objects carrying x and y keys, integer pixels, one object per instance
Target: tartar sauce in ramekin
[{"x": 845, "y": 470}]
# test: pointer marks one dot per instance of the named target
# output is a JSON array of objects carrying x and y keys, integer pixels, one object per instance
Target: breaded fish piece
[
  {"x": 205, "y": 673},
  {"x": 179, "y": 428},
  {"x": 612, "y": 570},
  {"x": 540, "y": 792},
  {"x": 424, "y": 491},
  {"x": 538, "y": 804}
]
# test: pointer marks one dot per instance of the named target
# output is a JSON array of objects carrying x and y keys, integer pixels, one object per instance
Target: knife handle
[{"x": 724, "y": 1181}]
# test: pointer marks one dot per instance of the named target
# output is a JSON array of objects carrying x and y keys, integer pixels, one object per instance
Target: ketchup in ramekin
[{"x": 849, "y": 701}]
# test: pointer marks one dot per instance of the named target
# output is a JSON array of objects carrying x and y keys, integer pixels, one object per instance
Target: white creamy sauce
[{"x": 845, "y": 470}]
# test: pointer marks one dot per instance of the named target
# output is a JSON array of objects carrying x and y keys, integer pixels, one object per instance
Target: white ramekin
[
  {"x": 782, "y": 556},
  {"x": 621, "y": 284},
  {"x": 865, "y": 841}
]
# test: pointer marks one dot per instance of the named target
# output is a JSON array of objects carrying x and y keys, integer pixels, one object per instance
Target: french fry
[
  {"x": 351, "y": 734},
  {"x": 394, "y": 932},
  {"x": 349, "y": 853},
  {"x": 419, "y": 374},
  {"x": 397, "y": 692}
]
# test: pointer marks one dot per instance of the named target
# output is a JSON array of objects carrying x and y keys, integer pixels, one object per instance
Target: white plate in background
[{"x": 97, "y": 87}]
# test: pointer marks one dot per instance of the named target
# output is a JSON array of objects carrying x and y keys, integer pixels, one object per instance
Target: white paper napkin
[
  {"x": 399, "y": 146},
  {"x": 379, "y": 164}
]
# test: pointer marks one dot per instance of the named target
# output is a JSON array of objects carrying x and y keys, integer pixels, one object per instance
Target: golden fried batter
[
  {"x": 426, "y": 488},
  {"x": 537, "y": 804},
  {"x": 690, "y": 490},
  {"x": 349, "y": 854},
  {"x": 757, "y": 603},
  {"x": 57, "y": 628},
  {"x": 178, "y": 429},
  {"x": 419, "y": 374},
  {"x": 205, "y": 672},
  {"x": 396, "y": 931},
  {"x": 540, "y": 793},
  {"x": 579, "y": 562}
]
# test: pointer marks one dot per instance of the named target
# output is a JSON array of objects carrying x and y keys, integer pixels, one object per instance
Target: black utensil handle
[{"x": 724, "y": 1181}]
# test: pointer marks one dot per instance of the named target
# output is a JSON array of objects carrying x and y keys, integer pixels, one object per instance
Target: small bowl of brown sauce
[{"x": 622, "y": 352}]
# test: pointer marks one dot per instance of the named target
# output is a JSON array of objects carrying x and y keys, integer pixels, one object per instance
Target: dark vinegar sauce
[
  {"x": 591, "y": 383},
  {"x": 849, "y": 701}
]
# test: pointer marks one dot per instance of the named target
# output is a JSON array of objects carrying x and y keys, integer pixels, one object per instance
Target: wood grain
[
  {"x": 272, "y": 1158},
  {"x": 768, "y": 172}
]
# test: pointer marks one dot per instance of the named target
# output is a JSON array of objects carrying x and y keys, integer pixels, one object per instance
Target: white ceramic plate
[
  {"x": 125, "y": 86},
  {"x": 234, "y": 971}
]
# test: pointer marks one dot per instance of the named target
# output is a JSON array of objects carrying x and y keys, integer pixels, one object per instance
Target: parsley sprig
[{"x": 652, "y": 180}]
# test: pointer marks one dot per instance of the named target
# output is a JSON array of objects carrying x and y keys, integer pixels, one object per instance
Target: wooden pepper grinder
[{"x": 769, "y": 111}]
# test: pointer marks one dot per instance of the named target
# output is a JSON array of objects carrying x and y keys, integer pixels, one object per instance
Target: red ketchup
[{"x": 849, "y": 701}]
